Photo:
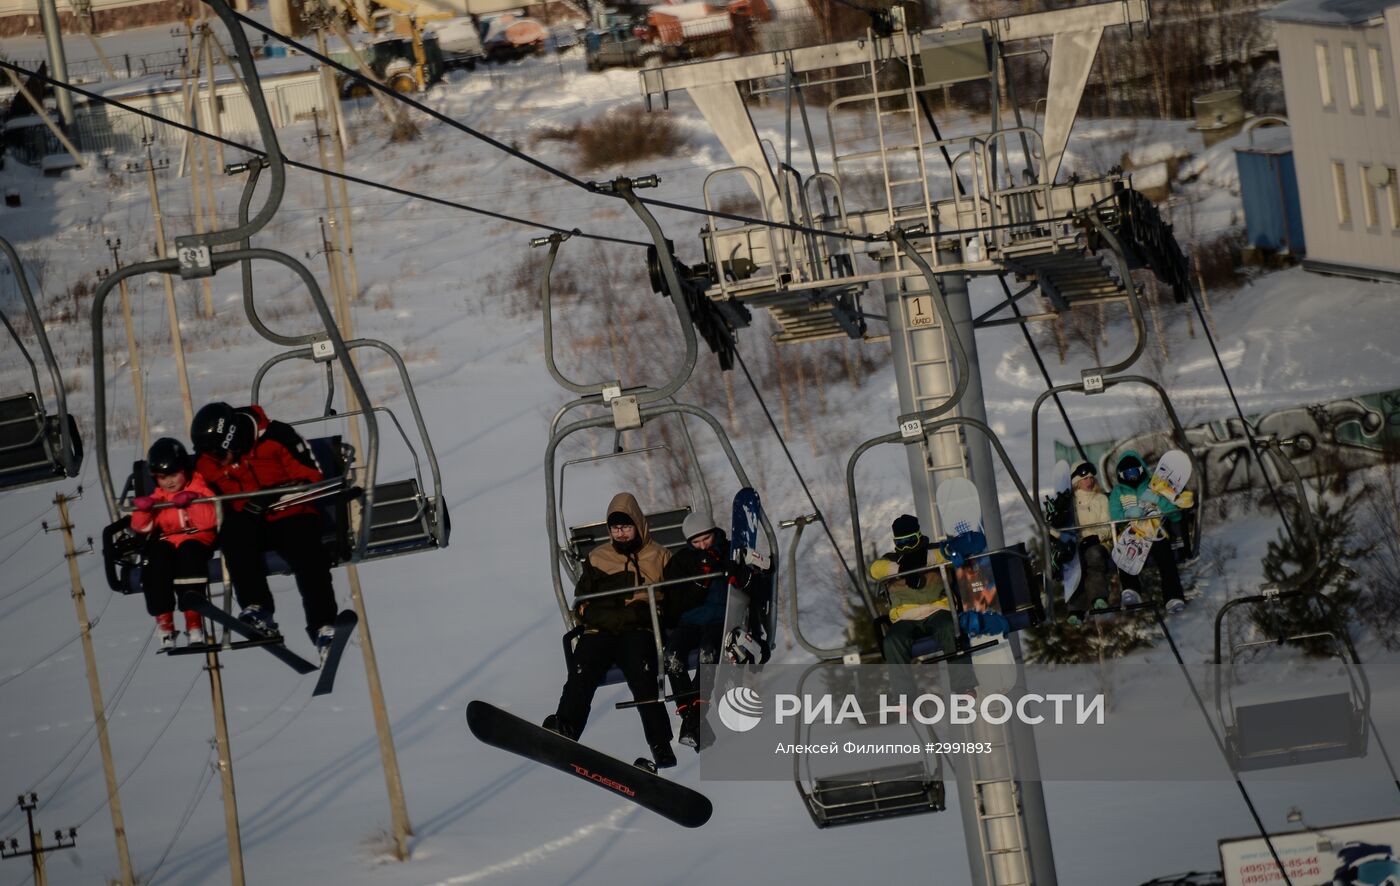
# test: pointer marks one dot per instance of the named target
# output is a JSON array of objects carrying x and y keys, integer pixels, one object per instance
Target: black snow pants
[
  {"x": 685, "y": 637},
  {"x": 634, "y": 651},
  {"x": 166, "y": 567},
  {"x": 297, "y": 539}
]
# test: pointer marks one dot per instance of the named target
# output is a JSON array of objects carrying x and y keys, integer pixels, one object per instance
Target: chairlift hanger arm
[
  {"x": 794, "y": 618},
  {"x": 1134, "y": 305},
  {"x": 272, "y": 150},
  {"x": 254, "y": 168},
  {"x": 55, "y": 378}
]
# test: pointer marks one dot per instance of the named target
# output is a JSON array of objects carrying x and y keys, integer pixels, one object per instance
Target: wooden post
[
  {"x": 214, "y": 116},
  {"x": 221, "y": 743},
  {"x": 337, "y": 130},
  {"x": 133, "y": 350},
  {"x": 174, "y": 315},
  {"x": 388, "y": 756},
  {"x": 99, "y": 713},
  {"x": 336, "y": 244}
]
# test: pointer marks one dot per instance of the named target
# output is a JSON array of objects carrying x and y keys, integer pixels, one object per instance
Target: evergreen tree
[
  {"x": 1100, "y": 638},
  {"x": 1315, "y": 562}
]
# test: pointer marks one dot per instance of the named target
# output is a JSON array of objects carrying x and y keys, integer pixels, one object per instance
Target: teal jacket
[{"x": 1130, "y": 502}]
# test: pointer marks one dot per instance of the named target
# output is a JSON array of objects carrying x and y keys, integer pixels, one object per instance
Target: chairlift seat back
[
  {"x": 31, "y": 443},
  {"x": 874, "y": 794},
  {"x": 664, "y": 527},
  {"x": 1297, "y": 731}
]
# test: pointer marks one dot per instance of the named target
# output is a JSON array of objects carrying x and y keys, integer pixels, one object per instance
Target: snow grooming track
[{"x": 612, "y": 821}]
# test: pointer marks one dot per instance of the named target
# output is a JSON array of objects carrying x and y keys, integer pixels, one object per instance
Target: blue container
[{"x": 1269, "y": 188}]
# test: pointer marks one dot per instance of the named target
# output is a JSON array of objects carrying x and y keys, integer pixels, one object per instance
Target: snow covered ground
[{"x": 478, "y": 620}]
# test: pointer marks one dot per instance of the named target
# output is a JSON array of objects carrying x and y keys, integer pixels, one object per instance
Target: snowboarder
[
  {"x": 1091, "y": 518},
  {"x": 242, "y": 451},
  {"x": 919, "y": 603},
  {"x": 181, "y": 538},
  {"x": 700, "y": 618},
  {"x": 1131, "y": 499},
  {"x": 618, "y": 628}
]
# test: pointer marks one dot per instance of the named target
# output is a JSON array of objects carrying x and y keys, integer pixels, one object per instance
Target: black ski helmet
[
  {"x": 216, "y": 429},
  {"x": 1130, "y": 470},
  {"x": 168, "y": 456},
  {"x": 1084, "y": 469}
]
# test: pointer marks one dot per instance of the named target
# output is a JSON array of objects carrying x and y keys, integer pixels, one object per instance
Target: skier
[
  {"x": 242, "y": 451},
  {"x": 700, "y": 620},
  {"x": 618, "y": 629},
  {"x": 181, "y": 537},
  {"x": 919, "y": 603},
  {"x": 1091, "y": 518},
  {"x": 1130, "y": 499}
]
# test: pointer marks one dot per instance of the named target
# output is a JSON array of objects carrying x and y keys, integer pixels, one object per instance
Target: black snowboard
[
  {"x": 277, "y": 648},
  {"x": 344, "y": 626},
  {"x": 666, "y": 798}
]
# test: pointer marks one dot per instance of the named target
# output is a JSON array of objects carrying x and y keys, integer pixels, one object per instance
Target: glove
[
  {"x": 144, "y": 503},
  {"x": 1186, "y": 499},
  {"x": 183, "y": 499}
]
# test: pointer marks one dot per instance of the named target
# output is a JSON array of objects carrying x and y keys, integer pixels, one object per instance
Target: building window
[
  {"x": 1368, "y": 199},
  {"x": 1392, "y": 190},
  {"x": 1353, "y": 77},
  {"x": 1339, "y": 190},
  {"x": 1377, "y": 79},
  {"x": 1324, "y": 74}
]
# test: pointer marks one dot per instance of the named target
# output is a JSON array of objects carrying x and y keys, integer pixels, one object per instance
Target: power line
[
  {"x": 795, "y": 469},
  {"x": 307, "y": 167},
  {"x": 206, "y": 777}
]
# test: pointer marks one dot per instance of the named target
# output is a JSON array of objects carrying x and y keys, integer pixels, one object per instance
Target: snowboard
[
  {"x": 960, "y": 512},
  {"x": 273, "y": 643},
  {"x": 1171, "y": 475},
  {"x": 344, "y": 626},
  {"x": 1059, "y": 513},
  {"x": 680, "y": 804},
  {"x": 746, "y": 610}
]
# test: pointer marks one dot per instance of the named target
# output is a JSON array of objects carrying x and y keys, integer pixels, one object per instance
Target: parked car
[
  {"x": 460, "y": 42},
  {"x": 617, "y": 47}
]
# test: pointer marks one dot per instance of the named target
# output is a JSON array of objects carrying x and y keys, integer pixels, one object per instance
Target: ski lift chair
[
  {"x": 1093, "y": 385},
  {"x": 1007, "y": 567},
  {"x": 1298, "y": 730},
  {"x": 569, "y": 551},
  {"x": 35, "y": 447},
  {"x": 874, "y": 794}
]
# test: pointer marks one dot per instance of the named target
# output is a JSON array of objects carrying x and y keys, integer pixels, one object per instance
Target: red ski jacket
[
  {"x": 175, "y": 523},
  {"x": 279, "y": 457}
]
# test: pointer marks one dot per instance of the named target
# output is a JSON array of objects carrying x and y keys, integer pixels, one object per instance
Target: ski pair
[{"x": 344, "y": 625}]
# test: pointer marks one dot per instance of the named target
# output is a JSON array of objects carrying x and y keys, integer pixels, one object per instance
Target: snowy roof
[{"x": 1329, "y": 12}]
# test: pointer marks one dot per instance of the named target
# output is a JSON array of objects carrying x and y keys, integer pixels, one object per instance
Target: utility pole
[
  {"x": 232, "y": 833},
  {"x": 150, "y": 167},
  {"x": 99, "y": 713},
  {"x": 58, "y": 62},
  {"x": 335, "y": 243},
  {"x": 37, "y": 849},
  {"x": 336, "y": 125},
  {"x": 388, "y": 756},
  {"x": 195, "y": 148},
  {"x": 133, "y": 349}
]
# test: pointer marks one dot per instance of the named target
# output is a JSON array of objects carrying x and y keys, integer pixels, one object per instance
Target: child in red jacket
[{"x": 181, "y": 537}]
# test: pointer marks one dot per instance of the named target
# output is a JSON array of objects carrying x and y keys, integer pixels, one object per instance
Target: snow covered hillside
[{"x": 452, "y": 291}]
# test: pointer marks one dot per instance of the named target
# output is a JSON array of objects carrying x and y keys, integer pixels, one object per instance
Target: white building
[{"x": 1343, "y": 93}]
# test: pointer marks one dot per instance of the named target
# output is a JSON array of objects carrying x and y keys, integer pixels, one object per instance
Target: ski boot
[
  {"x": 165, "y": 627},
  {"x": 695, "y": 731},
  {"x": 1175, "y": 605},
  {"x": 662, "y": 757},
  {"x": 194, "y": 628},
  {"x": 1131, "y": 597},
  {"x": 259, "y": 619},
  {"x": 324, "y": 638}
]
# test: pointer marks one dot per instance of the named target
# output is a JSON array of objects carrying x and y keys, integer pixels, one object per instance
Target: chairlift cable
[
  {"x": 795, "y": 469},
  {"x": 150, "y": 747},
  {"x": 306, "y": 167},
  {"x": 1219, "y": 743},
  {"x": 1044, "y": 373},
  {"x": 206, "y": 777}
]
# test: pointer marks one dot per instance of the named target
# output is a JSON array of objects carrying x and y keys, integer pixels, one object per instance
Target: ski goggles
[
  {"x": 1084, "y": 470},
  {"x": 907, "y": 542}
]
